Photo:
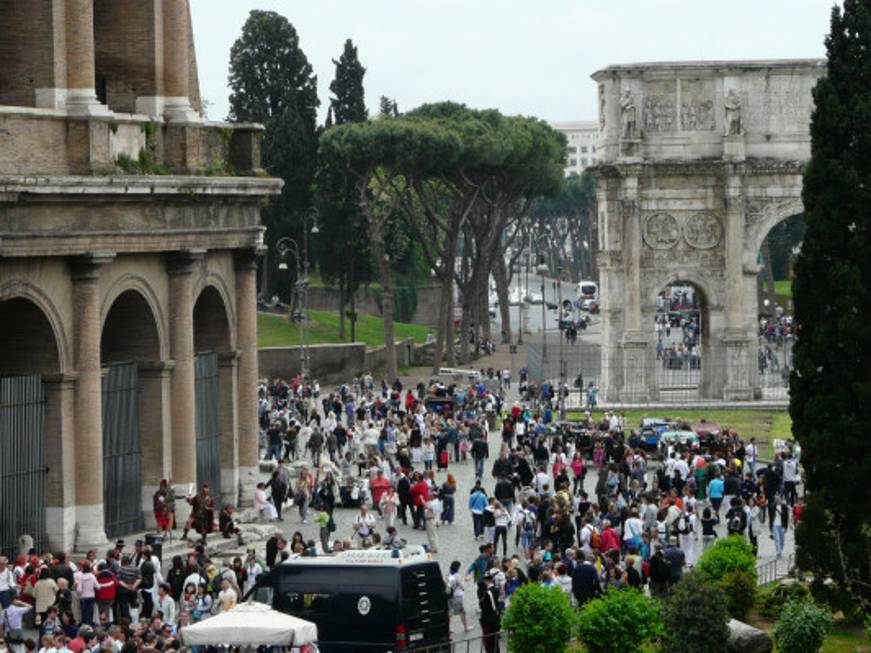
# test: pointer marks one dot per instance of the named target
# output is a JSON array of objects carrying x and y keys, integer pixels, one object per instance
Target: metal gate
[
  {"x": 122, "y": 454},
  {"x": 22, "y": 463},
  {"x": 208, "y": 423}
]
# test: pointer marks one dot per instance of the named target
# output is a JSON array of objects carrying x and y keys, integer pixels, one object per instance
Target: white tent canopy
[{"x": 250, "y": 624}]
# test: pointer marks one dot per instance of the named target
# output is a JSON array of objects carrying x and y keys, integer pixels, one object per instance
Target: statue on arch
[
  {"x": 628, "y": 115},
  {"x": 732, "y": 103}
]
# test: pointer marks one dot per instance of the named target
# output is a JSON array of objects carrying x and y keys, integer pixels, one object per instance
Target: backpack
[
  {"x": 683, "y": 525},
  {"x": 736, "y": 524},
  {"x": 528, "y": 522},
  {"x": 595, "y": 539}
]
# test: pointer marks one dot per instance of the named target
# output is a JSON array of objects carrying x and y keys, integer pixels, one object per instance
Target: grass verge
[{"x": 274, "y": 330}]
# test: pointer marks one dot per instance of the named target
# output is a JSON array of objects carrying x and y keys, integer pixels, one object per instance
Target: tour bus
[
  {"x": 363, "y": 600},
  {"x": 587, "y": 290}
]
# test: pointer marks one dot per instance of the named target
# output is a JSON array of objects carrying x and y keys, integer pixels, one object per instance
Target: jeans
[
  {"x": 273, "y": 450},
  {"x": 501, "y": 532},
  {"x": 479, "y": 467},
  {"x": 478, "y": 523},
  {"x": 88, "y": 611},
  {"x": 789, "y": 493},
  {"x": 5, "y": 598},
  {"x": 779, "y": 533}
]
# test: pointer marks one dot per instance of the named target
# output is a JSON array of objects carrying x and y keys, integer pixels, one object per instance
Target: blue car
[{"x": 652, "y": 429}]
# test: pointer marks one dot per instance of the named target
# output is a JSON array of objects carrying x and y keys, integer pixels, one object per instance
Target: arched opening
[
  {"x": 28, "y": 353},
  {"x": 685, "y": 367},
  {"x": 130, "y": 342},
  {"x": 774, "y": 305},
  {"x": 213, "y": 414}
]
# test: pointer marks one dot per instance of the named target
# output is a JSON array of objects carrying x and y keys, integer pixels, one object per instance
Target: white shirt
[
  {"x": 7, "y": 580},
  {"x": 541, "y": 479},
  {"x": 252, "y": 574},
  {"x": 790, "y": 470},
  {"x": 364, "y": 524}
]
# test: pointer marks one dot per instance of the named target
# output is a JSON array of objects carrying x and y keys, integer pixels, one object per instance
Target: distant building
[{"x": 582, "y": 136}]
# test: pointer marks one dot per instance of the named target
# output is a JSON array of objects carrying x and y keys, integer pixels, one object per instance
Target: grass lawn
[
  {"x": 783, "y": 287},
  {"x": 274, "y": 330}
]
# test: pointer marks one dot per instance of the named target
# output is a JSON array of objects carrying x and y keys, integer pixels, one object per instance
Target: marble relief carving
[
  {"x": 661, "y": 231},
  {"x": 703, "y": 231}
]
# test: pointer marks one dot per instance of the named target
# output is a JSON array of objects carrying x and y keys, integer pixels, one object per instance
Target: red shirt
[
  {"x": 379, "y": 487},
  {"x": 419, "y": 493},
  {"x": 610, "y": 539}
]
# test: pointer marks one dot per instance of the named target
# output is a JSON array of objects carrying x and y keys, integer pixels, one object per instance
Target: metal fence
[
  {"x": 208, "y": 402},
  {"x": 122, "y": 452},
  {"x": 470, "y": 645},
  {"x": 668, "y": 378},
  {"x": 22, "y": 462},
  {"x": 773, "y": 570}
]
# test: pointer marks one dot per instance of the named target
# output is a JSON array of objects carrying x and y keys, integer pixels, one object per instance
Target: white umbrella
[{"x": 251, "y": 624}]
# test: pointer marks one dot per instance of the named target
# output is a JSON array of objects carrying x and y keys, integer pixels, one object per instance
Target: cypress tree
[
  {"x": 348, "y": 103},
  {"x": 830, "y": 399}
]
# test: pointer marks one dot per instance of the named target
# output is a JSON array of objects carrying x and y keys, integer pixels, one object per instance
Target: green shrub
[
  {"x": 732, "y": 553},
  {"x": 695, "y": 616},
  {"x": 740, "y": 589},
  {"x": 868, "y": 625},
  {"x": 773, "y": 604},
  {"x": 620, "y": 622},
  {"x": 802, "y": 627},
  {"x": 539, "y": 619}
]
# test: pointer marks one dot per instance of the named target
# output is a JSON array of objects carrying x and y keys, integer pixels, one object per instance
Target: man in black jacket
[
  {"x": 585, "y": 582},
  {"x": 491, "y": 618}
]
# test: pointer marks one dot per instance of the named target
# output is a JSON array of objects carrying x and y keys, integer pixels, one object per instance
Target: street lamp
[
  {"x": 285, "y": 246},
  {"x": 542, "y": 272}
]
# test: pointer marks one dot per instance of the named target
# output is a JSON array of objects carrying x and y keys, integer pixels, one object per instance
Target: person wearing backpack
[
  {"x": 686, "y": 529},
  {"x": 455, "y": 591},
  {"x": 736, "y": 520}
]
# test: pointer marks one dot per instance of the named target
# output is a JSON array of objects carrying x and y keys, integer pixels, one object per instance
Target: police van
[{"x": 363, "y": 600}]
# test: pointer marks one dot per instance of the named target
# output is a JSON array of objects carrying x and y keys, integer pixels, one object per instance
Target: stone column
[
  {"x": 154, "y": 428},
  {"x": 176, "y": 62},
  {"x": 227, "y": 423},
  {"x": 736, "y": 340},
  {"x": 182, "y": 384},
  {"x": 90, "y": 522},
  {"x": 59, "y": 446},
  {"x": 635, "y": 345},
  {"x": 81, "y": 94},
  {"x": 246, "y": 373}
]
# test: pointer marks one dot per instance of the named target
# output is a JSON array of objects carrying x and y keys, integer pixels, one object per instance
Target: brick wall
[{"x": 26, "y": 50}]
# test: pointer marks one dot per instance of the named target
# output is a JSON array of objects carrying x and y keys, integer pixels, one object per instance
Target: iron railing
[
  {"x": 773, "y": 570},
  {"x": 478, "y": 644}
]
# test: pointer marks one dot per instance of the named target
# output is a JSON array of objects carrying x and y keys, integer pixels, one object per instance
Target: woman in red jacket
[
  {"x": 107, "y": 589},
  {"x": 419, "y": 497}
]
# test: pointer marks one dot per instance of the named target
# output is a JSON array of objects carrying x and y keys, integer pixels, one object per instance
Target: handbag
[{"x": 331, "y": 524}]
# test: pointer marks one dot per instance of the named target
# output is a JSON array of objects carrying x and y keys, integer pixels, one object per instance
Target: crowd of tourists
[{"x": 585, "y": 509}]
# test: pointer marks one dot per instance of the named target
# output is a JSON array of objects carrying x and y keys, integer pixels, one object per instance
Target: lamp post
[
  {"x": 285, "y": 246},
  {"x": 562, "y": 361},
  {"x": 542, "y": 272},
  {"x": 310, "y": 216}
]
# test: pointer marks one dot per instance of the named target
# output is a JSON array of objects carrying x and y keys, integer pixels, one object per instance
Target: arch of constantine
[
  {"x": 129, "y": 230},
  {"x": 697, "y": 162}
]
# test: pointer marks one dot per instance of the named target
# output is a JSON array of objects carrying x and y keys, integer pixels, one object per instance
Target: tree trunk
[
  {"x": 484, "y": 308},
  {"x": 443, "y": 331},
  {"x": 450, "y": 339},
  {"x": 386, "y": 300},
  {"x": 342, "y": 309},
  {"x": 500, "y": 275}
]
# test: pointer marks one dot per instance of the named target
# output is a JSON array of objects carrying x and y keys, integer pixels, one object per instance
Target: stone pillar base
[
  {"x": 638, "y": 382},
  {"x": 248, "y": 479},
  {"x": 738, "y": 368},
  {"x": 179, "y": 110},
  {"x": 630, "y": 150},
  {"x": 60, "y": 527},
  {"x": 90, "y": 528},
  {"x": 84, "y": 102}
]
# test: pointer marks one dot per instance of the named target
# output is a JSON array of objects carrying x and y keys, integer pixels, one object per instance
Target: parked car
[
  {"x": 651, "y": 429},
  {"x": 534, "y": 297},
  {"x": 682, "y": 437}
]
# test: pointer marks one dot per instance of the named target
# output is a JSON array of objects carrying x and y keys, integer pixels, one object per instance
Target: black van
[{"x": 363, "y": 601}]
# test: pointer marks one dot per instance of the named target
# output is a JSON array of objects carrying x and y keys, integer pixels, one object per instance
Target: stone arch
[
  {"x": 131, "y": 329},
  {"x": 57, "y": 357},
  {"x": 712, "y": 296},
  {"x": 212, "y": 322},
  {"x": 134, "y": 283},
  {"x": 761, "y": 219},
  {"x": 217, "y": 283}
]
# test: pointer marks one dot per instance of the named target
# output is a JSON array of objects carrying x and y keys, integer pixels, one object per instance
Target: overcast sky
[{"x": 531, "y": 57}]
